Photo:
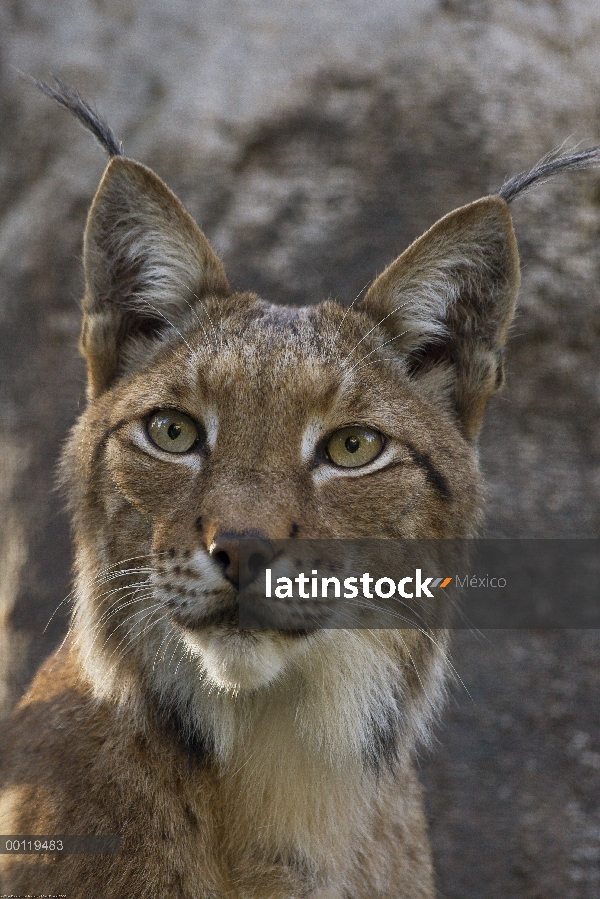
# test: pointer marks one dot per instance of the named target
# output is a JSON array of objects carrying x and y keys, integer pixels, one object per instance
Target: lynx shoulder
[{"x": 229, "y": 762}]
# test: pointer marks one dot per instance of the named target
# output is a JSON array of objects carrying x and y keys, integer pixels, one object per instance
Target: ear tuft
[
  {"x": 449, "y": 299},
  {"x": 147, "y": 265}
]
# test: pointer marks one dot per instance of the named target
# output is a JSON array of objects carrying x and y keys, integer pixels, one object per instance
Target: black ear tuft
[
  {"x": 552, "y": 164},
  {"x": 72, "y": 100}
]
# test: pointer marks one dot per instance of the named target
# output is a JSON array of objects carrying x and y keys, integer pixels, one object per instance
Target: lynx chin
[{"x": 230, "y": 763}]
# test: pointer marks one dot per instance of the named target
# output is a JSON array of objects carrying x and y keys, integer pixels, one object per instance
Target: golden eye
[
  {"x": 352, "y": 447},
  {"x": 172, "y": 431}
]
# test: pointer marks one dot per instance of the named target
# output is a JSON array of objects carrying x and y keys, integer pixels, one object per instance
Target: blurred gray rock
[{"x": 313, "y": 141}]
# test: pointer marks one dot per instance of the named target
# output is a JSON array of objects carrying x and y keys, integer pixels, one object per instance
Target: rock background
[{"x": 313, "y": 141}]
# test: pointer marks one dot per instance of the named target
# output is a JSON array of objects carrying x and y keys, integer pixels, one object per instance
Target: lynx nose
[{"x": 241, "y": 564}]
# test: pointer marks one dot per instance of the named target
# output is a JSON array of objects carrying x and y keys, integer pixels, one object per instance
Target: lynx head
[{"x": 212, "y": 415}]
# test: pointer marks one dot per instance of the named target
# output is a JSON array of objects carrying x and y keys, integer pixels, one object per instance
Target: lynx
[{"x": 235, "y": 763}]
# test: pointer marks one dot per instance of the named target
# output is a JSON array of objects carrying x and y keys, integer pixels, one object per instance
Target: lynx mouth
[{"x": 228, "y": 619}]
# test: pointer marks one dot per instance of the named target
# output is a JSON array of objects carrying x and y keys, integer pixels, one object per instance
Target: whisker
[
  {"x": 115, "y": 575},
  {"x": 427, "y": 633},
  {"x": 130, "y": 639},
  {"x": 65, "y": 599},
  {"x": 173, "y": 653},
  {"x": 423, "y": 631},
  {"x": 133, "y": 621},
  {"x": 100, "y": 579},
  {"x": 380, "y": 347},
  {"x": 105, "y": 569},
  {"x": 183, "y": 655},
  {"x": 98, "y": 630},
  {"x": 166, "y": 639},
  {"x": 335, "y": 337},
  {"x": 380, "y": 322},
  {"x": 162, "y": 315},
  {"x": 207, "y": 313},
  {"x": 98, "y": 627},
  {"x": 113, "y": 609},
  {"x": 186, "y": 286}
]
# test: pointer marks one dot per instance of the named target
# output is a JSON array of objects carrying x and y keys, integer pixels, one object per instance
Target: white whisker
[
  {"x": 380, "y": 347},
  {"x": 335, "y": 337},
  {"x": 177, "y": 331},
  {"x": 179, "y": 281},
  {"x": 380, "y": 322}
]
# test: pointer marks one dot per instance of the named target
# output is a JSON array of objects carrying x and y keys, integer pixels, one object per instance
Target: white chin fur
[{"x": 237, "y": 661}]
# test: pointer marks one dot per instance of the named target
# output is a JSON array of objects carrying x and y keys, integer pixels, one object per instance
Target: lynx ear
[
  {"x": 146, "y": 263},
  {"x": 447, "y": 302}
]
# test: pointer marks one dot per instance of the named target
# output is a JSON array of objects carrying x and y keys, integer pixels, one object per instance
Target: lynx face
[
  {"x": 261, "y": 409},
  {"x": 214, "y": 416}
]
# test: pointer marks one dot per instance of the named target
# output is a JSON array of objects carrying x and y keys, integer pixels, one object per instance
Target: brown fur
[{"x": 231, "y": 764}]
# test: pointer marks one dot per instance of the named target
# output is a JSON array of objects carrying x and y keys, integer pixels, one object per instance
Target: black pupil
[
  {"x": 174, "y": 431},
  {"x": 352, "y": 444}
]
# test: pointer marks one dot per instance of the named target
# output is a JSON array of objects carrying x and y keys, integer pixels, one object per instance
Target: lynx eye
[
  {"x": 172, "y": 431},
  {"x": 354, "y": 446}
]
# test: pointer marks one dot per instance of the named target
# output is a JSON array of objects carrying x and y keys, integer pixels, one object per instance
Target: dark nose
[{"x": 241, "y": 556}]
